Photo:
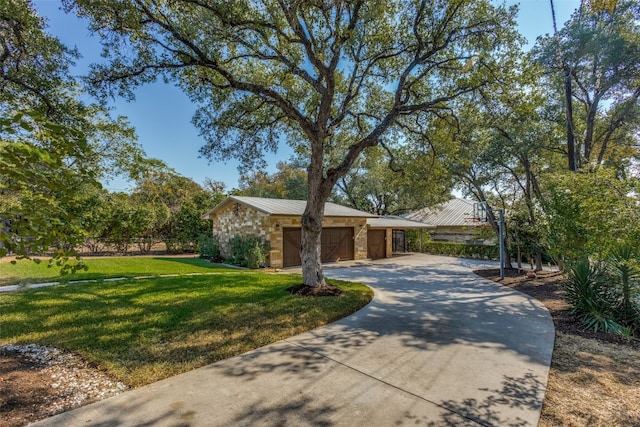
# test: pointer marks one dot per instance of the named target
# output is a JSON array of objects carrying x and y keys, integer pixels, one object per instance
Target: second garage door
[
  {"x": 337, "y": 245},
  {"x": 376, "y": 244}
]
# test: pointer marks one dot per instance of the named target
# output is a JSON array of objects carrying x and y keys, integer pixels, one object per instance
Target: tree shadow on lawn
[
  {"x": 196, "y": 261},
  {"x": 422, "y": 322},
  {"x": 167, "y": 324}
]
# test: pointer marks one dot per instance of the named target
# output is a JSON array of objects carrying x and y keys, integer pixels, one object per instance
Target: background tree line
[{"x": 56, "y": 149}]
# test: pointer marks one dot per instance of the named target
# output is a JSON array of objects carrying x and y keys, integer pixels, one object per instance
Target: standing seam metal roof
[
  {"x": 455, "y": 212},
  {"x": 397, "y": 222},
  {"x": 290, "y": 207}
]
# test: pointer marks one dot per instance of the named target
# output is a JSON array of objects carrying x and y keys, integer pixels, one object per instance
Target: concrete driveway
[{"x": 438, "y": 346}]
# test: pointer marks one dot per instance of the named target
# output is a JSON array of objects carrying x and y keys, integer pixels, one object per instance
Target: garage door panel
[
  {"x": 337, "y": 245},
  {"x": 376, "y": 244},
  {"x": 291, "y": 240}
]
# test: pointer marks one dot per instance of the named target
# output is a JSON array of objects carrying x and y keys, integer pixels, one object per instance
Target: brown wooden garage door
[
  {"x": 376, "y": 244},
  {"x": 337, "y": 245},
  {"x": 291, "y": 246}
]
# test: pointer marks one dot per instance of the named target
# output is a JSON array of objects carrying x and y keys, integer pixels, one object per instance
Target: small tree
[{"x": 589, "y": 214}]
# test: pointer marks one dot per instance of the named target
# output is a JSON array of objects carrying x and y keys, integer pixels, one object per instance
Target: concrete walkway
[{"x": 438, "y": 346}]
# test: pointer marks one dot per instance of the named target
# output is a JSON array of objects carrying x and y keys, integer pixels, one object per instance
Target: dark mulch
[
  {"x": 547, "y": 288},
  {"x": 23, "y": 390},
  {"x": 315, "y": 291}
]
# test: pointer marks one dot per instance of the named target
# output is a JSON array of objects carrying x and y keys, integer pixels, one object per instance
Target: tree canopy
[
  {"x": 331, "y": 78},
  {"x": 599, "y": 45},
  {"x": 288, "y": 182},
  {"x": 51, "y": 143}
]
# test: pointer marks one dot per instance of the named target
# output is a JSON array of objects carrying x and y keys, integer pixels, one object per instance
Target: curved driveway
[{"x": 438, "y": 346}]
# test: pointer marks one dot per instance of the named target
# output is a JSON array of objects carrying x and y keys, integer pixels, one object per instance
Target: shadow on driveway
[{"x": 438, "y": 346}]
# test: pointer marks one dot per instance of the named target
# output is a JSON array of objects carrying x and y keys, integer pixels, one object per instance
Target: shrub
[
  {"x": 624, "y": 269},
  {"x": 208, "y": 247},
  {"x": 256, "y": 257},
  {"x": 592, "y": 297},
  {"x": 461, "y": 249},
  {"x": 248, "y": 251}
]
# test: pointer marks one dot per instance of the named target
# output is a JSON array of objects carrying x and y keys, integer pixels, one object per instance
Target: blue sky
[{"x": 161, "y": 113}]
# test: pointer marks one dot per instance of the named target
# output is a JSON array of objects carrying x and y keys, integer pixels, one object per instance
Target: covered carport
[{"x": 385, "y": 235}]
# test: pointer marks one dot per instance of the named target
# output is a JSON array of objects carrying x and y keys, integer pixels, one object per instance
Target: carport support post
[{"x": 501, "y": 232}]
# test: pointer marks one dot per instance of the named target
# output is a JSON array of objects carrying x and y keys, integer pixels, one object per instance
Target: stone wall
[
  {"x": 237, "y": 219},
  {"x": 278, "y": 223},
  {"x": 389, "y": 242}
]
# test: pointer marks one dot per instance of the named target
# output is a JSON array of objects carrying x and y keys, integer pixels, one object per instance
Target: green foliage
[
  {"x": 38, "y": 188},
  {"x": 589, "y": 214},
  {"x": 604, "y": 295},
  {"x": 53, "y": 147},
  {"x": 35, "y": 65},
  {"x": 461, "y": 249},
  {"x": 413, "y": 178},
  {"x": 178, "y": 204},
  {"x": 601, "y": 51},
  {"x": 288, "y": 182},
  {"x": 591, "y": 296},
  {"x": 208, "y": 246},
  {"x": 624, "y": 267},
  {"x": 251, "y": 252}
]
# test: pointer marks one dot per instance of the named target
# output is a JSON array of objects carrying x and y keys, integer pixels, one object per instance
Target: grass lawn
[
  {"x": 140, "y": 331},
  {"x": 25, "y": 271}
]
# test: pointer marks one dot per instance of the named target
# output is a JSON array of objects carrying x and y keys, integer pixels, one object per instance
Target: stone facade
[{"x": 237, "y": 219}]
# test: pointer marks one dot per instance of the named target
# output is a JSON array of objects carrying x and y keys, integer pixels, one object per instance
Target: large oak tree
[{"x": 331, "y": 78}]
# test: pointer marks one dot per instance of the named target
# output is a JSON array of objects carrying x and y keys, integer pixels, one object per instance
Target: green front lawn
[
  {"x": 25, "y": 271},
  {"x": 141, "y": 331}
]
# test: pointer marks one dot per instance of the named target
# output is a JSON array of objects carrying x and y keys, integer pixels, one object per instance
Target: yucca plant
[
  {"x": 623, "y": 266},
  {"x": 592, "y": 297}
]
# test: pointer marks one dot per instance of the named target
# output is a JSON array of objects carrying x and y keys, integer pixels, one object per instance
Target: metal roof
[
  {"x": 455, "y": 212},
  {"x": 396, "y": 222},
  {"x": 288, "y": 207}
]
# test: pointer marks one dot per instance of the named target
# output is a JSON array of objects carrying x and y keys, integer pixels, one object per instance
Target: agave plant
[
  {"x": 592, "y": 297},
  {"x": 624, "y": 266}
]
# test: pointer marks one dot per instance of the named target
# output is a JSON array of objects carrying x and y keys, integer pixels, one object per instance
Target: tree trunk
[
  {"x": 310, "y": 251},
  {"x": 538, "y": 260},
  {"x": 571, "y": 144},
  {"x": 318, "y": 191},
  {"x": 507, "y": 255},
  {"x": 519, "y": 258}
]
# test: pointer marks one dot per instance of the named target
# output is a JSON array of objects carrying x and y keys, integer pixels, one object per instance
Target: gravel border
[{"x": 73, "y": 380}]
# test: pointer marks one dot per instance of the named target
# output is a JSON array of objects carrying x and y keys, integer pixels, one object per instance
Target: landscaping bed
[{"x": 594, "y": 378}]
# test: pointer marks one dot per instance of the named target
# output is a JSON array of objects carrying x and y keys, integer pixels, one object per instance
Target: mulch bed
[
  {"x": 547, "y": 288},
  {"x": 317, "y": 291}
]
